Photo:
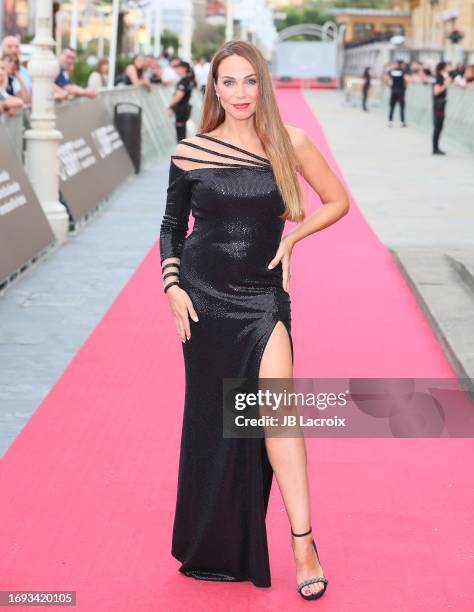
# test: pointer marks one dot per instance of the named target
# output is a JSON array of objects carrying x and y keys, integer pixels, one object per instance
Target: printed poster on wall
[
  {"x": 92, "y": 158},
  {"x": 24, "y": 228}
]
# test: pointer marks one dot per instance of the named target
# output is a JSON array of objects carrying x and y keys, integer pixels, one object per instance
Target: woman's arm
[
  {"x": 179, "y": 95},
  {"x": 23, "y": 91},
  {"x": 173, "y": 231},
  {"x": 12, "y": 104},
  {"x": 174, "y": 225},
  {"x": 437, "y": 89},
  {"x": 325, "y": 183},
  {"x": 131, "y": 71}
]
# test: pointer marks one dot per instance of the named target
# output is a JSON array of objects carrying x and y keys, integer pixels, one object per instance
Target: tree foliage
[{"x": 316, "y": 11}]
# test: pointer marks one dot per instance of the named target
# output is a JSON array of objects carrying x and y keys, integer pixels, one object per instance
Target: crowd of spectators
[
  {"x": 418, "y": 72},
  {"x": 15, "y": 83},
  {"x": 142, "y": 71},
  {"x": 145, "y": 70},
  {"x": 440, "y": 76}
]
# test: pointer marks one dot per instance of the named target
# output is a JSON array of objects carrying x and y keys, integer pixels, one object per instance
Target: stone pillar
[
  {"x": 74, "y": 21},
  {"x": 42, "y": 162},
  {"x": 229, "y": 21},
  {"x": 158, "y": 25},
  {"x": 187, "y": 32},
  {"x": 113, "y": 43}
]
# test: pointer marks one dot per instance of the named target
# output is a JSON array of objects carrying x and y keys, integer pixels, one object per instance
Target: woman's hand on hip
[
  {"x": 283, "y": 254},
  {"x": 182, "y": 308}
]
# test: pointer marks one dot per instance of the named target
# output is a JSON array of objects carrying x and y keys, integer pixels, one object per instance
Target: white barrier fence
[
  {"x": 158, "y": 131},
  {"x": 459, "y": 122}
]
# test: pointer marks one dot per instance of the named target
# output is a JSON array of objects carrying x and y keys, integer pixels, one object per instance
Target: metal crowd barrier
[
  {"x": 14, "y": 127},
  {"x": 459, "y": 121},
  {"x": 458, "y": 124},
  {"x": 158, "y": 141},
  {"x": 353, "y": 91},
  {"x": 158, "y": 131}
]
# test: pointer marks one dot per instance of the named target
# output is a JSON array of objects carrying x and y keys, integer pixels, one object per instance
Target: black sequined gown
[{"x": 219, "y": 530}]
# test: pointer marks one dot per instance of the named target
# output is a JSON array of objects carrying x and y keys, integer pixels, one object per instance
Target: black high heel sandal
[{"x": 304, "y": 583}]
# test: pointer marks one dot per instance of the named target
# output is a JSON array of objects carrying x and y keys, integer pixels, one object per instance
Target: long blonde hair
[
  {"x": 4, "y": 83},
  {"x": 268, "y": 124}
]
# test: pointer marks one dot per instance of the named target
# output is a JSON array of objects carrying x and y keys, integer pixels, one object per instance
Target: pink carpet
[{"x": 87, "y": 489}]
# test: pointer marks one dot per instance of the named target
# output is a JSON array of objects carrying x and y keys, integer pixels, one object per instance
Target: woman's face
[
  {"x": 139, "y": 61},
  {"x": 104, "y": 69},
  {"x": 10, "y": 65},
  {"x": 237, "y": 86}
]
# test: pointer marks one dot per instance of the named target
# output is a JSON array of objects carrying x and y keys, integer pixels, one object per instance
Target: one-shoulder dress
[{"x": 219, "y": 530}]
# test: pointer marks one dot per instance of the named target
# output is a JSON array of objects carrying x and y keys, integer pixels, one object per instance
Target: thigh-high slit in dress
[{"x": 219, "y": 530}]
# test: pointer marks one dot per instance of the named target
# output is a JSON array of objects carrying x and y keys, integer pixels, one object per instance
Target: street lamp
[
  {"x": 103, "y": 13},
  {"x": 113, "y": 44},
  {"x": 74, "y": 19},
  {"x": 229, "y": 20},
  {"x": 42, "y": 139}
]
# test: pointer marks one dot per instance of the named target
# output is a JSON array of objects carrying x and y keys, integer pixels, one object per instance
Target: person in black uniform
[
  {"x": 398, "y": 78},
  {"x": 441, "y": 82},
  {"x": 366, "y": 86},
  {"x": 179, "y": 104}
]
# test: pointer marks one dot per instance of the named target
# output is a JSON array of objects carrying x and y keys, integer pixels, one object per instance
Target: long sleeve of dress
[{"x": 174, "y": 226}]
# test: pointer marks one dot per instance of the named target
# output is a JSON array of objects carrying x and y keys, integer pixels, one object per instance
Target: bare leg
[{"x": 288, "y": 459}]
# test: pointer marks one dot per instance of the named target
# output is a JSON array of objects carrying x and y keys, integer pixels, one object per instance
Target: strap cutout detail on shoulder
[
  {"x": 208, "y": 158},
  {"x": 219, "y": 154},
  {"x": 231, "y": 146},
  {"x": 208, "y": 161}
]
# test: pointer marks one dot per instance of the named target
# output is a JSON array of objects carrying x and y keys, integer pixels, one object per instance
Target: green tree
[
  {"x": 207, "y": 38},
  {"x": 316, "y": 12},
  {"x": 309, "y": 13},
  {"x": 386, "y": 4},
  {"x": 170, "y": 39}
]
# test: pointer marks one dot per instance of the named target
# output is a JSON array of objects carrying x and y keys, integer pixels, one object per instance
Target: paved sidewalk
[
  {"x": 420, "y": 205},
  {"x": 409, "y": 196},
  {"x": 51, "y": 309}
]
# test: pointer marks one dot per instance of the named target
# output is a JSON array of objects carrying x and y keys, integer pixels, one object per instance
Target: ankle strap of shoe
[{"x": 299, "y": 535}]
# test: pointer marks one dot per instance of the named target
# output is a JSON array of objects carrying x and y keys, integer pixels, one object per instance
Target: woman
[
  {"x": 135, "y": 73},
  {"x": 98, "y": 78},
  {"x": 228, "y": 289},
  {"x": 16, "y": 86},
  {"x": 9, "y": 103},
  {"x": 365, "y": 86},
  {"x": 441, "y": 83},
  {"x": 179, "y": 104}
]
